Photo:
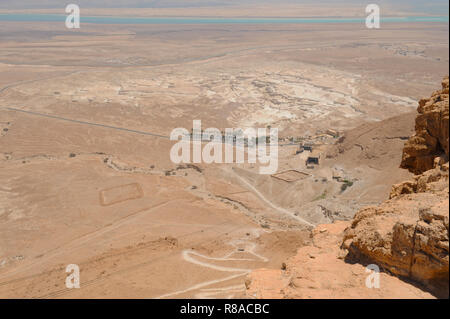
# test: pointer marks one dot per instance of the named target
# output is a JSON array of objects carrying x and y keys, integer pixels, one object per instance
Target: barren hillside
[{"x": 406, "y": 236}]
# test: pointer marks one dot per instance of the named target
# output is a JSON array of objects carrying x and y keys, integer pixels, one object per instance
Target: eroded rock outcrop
[
  {"x": 432, "y": 181},
  {"x": 408, "y": 235},
  {"x": 320, "y": 271},
  {"x": 432, "y": 129}
]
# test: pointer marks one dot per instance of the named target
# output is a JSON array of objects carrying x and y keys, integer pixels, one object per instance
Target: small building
[
  {"x": 312, "y": 160},
  {"x": 308, "y": 148}
]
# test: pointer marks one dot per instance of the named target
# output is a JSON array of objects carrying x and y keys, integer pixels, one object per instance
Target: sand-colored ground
[{"x": 85, "y": 173}]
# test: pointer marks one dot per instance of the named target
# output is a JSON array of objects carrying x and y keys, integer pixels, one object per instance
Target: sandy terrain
[{"x": 85, "y": 173}]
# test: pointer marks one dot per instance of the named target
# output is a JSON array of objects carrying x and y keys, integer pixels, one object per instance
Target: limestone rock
[
  {"x": 434, "y": 180},
  {"x": 432, "y": 130},
  {"x": 320, "y": 271},
  {"x": 408, "y": 234}
]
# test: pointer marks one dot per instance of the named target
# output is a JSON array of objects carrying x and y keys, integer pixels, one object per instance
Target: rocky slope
[
  {"x": 406, "y": 236},
  {"x": 321, "y": 271}
]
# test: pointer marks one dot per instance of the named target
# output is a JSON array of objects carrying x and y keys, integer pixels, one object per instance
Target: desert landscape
[{"x": 86, "y": 176}]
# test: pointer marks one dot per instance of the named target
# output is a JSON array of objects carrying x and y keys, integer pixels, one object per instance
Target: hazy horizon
[{"x": 430, "y": 7}]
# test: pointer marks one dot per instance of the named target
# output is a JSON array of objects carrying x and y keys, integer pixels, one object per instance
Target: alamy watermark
[
  {"x": 373, "y": 19},
  {"x": 231, "y": 146},
  {"x": 73, "y": 279},
  {"x": 373, "y": 280},
  {"x": 73, "y": 19}
]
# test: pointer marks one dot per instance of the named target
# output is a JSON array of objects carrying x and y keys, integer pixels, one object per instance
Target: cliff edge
[
  {"x": 431, "y": 138},
  {"x": 407, "y": 236}
]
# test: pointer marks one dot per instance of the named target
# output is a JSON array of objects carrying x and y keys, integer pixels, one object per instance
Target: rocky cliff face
[
  {"x": 408, "y": 234},
  {"x": 431, "y": 138}
]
